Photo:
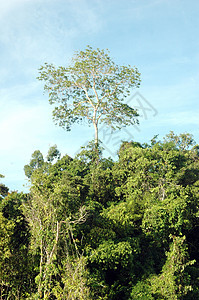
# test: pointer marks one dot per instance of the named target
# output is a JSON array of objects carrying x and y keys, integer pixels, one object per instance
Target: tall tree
[{"x": 93, "y": 87}]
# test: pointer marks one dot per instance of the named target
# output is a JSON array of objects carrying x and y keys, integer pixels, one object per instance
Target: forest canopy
[{"x": 124, "y": 229}]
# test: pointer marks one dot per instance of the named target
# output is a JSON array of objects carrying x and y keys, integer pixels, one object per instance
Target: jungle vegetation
[
  {"x": 125, "y": 229},
  {"x": 94, "y": 228}
]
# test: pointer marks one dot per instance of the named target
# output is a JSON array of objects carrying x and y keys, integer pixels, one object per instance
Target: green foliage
[
  {"x": 142, "y": 291},
  {"x": 53, "y": 153},
  {"x": 182, "y": 141},
  {"x": 173, "y": 282},
  {"x": 110, "y": 255},
  {"x": 3, "y": 189},
  {"x": 16, "y": 262},
  {"x": 55, "y": 204},
  {"x": 91, "y": 228},
  {"x": 6, "y": 230},
  {"x": 93, "y": 87},
  {"x": 175, "y": 215},
  {"x": 73, "y": 283},
  {"x": 36, "y": 162}
]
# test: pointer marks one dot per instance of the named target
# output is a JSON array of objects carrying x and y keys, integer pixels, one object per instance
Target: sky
[{"x": 159, "y": 37}]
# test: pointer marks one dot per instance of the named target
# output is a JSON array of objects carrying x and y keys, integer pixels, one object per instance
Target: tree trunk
[
  {"x": 96, "y": 143},
  {"x": 96, "y": 133}
]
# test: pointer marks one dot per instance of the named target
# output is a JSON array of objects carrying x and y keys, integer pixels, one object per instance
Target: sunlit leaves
[{"x": 93, "y": 87}]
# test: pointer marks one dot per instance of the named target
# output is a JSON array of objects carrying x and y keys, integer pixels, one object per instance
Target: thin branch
[
  {"x": 79, "y": 103},
  {"x": 87, "y": 96}
]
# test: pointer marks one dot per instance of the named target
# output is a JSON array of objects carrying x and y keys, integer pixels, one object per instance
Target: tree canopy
[
  {"x": 92, "y": 88},
  {"x": 116, "y": 230}
]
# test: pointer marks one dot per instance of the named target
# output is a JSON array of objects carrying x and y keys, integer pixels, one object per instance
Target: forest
[
  {"x": 96, "y": 228},
  {"x": 113, "y": 230}
]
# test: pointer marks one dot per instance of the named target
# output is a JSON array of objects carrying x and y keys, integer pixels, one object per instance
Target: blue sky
[{"x": 159, "y": 37}]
